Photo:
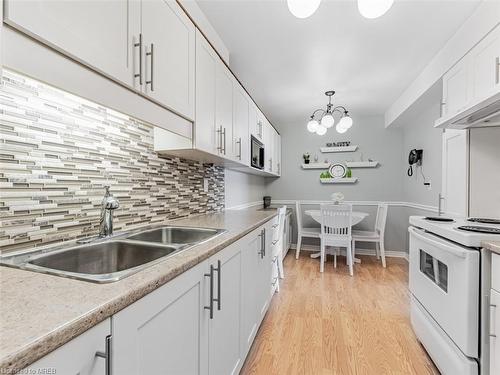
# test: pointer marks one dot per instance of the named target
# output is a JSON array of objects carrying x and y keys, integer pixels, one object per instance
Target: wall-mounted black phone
[{"x": 414, "y": 158}]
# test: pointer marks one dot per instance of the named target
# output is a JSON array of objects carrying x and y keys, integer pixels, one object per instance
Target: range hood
[{"x": 484, "y": 113}]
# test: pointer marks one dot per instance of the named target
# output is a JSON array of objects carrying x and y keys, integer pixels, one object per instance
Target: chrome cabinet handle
[
  {"x": 275, "y": 225},
  {"x": 210, "y": 307},
  {"x": 492, "y": 306},
  {"x": 275, "y": 281},
  {"x": 262, "y": 251},
  {"x": 152, "y": 56},
  {"x": 275, "y": 242},
  {"x": 264, "y": 241},
  {"x": 224, "y": 134},
  {"x": 106, "y": 355},
  {"x": 497, "y": 70},
  {"x": 218, "y": 299},
  {"x": 219, "y": 139},
  {"x": 239, "y": 146},
  {"x": 139, "y": 44}
]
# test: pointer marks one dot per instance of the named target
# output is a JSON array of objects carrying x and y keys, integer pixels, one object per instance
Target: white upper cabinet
[
  {"x": 485, "y": 66},
  {"x": 98, "y": 34},
  {"x": 224, "y": 109},
  {"x": 277, "y": 154},
  {"x": 455, "y": 89},
  {"x": 169, "y": 55},
  {"x": 472, "y": 84},
  {"x": 206, "y": 67},
  {"x": 256, "y": 122},
  {"x": 241, "y": 139}
]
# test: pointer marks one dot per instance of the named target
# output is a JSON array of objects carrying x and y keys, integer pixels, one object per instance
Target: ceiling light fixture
[
  {"x": 319, "y": 124},
  {"x": 374, "y": 8},
  {"x": 303, "y": 8}
]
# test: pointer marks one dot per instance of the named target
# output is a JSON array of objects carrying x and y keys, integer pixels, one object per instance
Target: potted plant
[{"x": 307, "y": 158}]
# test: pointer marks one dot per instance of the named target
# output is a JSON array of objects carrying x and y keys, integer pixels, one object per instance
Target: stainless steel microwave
[{"x": 257, "y": 153}]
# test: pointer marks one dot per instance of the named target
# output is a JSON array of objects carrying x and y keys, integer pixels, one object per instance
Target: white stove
[
  {"x": 451, "y": 231},
  {"x": 445, "y": 286}
]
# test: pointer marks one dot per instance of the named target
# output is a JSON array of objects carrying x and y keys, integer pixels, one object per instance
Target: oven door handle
[{"x": 450, "y": 249}]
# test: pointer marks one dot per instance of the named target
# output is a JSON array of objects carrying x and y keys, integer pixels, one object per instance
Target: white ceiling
[{"x": 287, "y": 63}]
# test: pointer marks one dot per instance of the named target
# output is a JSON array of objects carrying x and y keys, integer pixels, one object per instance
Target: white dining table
[{"x": 356, "y": 218}]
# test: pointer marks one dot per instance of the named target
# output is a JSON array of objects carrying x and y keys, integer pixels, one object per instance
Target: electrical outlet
[
  {"x": 428, "y": 185},
  {"x": 205, "y": 185}
]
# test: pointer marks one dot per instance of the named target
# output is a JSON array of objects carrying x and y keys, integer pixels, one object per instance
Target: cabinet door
[
  {"x": 277, "y": 154},
  {"x": 163, "y": 332},
  {"x": 485, "y": 66},
  {"x": 206, "y": 63},
  {"x": 495, "y": 332},
  {"x": 250, "y": 309},
  {"x": 455, "y": 172},
  {"x": 77, "y": 357},
  {"x": 224, "y": 328},
  {"x": 265, "y": 272},
  {"x": 241, "y": 150},
  {"x": 268, "y": 140},
  {"x": 224, "y": 108},
  {"x": 99, "y": 34},
  {"x": 169, "y": 60},
  {"x": 455, "y": 88}
]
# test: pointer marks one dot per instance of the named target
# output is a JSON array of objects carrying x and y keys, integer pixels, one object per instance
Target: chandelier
[{"x": 321, "y": 120}]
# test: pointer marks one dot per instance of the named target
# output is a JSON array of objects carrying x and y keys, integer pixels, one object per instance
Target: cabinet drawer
[{"x": 495, "y": 272}]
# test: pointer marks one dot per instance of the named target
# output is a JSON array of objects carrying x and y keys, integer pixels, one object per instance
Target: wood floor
[{"x": 333, "y": 323}]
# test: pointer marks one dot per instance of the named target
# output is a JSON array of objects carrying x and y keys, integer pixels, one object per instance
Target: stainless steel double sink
[{"x": 108, "y": 260}]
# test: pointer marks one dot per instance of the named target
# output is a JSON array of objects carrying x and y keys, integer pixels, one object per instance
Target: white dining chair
[
  {"x": 301, "y": 231},
  {"x": 336, "y": 221},
  {"x": 377, "y": 235},
  {"x": 279, "y": 241}
]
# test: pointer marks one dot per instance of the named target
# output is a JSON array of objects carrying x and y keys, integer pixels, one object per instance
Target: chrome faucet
[{"x": 109, "y": 203}]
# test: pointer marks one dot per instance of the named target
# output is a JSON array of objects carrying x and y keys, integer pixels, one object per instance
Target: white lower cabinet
[
  {"x": 162, "y": 333},
  {"x": 202, "y": 322},
  {"x": 77, "y": 357},
  {"x": 224, "y": 328},
  {"x": 495, "y": 332}
]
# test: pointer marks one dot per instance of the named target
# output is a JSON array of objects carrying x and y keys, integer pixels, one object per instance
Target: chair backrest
[
  {"x": 381, "y": 218},
  {"x": 336, "y": 220},
  {"x": 281, "y": 222}
]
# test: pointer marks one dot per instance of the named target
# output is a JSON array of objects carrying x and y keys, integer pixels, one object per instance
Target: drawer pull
[{"x": 106, "y": 355}]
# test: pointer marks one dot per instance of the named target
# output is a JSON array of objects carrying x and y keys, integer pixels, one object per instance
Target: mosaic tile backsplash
[{"x": 58, "y": 151}]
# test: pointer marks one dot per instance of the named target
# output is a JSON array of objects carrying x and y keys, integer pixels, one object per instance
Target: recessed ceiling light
[
  {"x": 374, "y": 8},
  {"x": 303, "y": 8}
]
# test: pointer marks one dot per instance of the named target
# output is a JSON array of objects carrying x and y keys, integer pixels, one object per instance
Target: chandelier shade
[{"x": 323, "y": 119}]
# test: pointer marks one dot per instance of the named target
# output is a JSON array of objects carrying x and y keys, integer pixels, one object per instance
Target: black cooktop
[
  {"x": 483, "y": 220},
  {"x": 439, "y": 218},
  {"x": 474, "y": 228}
]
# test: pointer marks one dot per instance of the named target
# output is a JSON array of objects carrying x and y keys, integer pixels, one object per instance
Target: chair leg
[
  {"x": 377, "y": 250},
  {"x": 349, "y": 259},
  {"x": 353, "y": 249},
  {"x": 322, "y": 257},
  {"x": 299, "y": 242},
  {"x": 382, "y": 251},
  {"x": 335, "y": 251}
]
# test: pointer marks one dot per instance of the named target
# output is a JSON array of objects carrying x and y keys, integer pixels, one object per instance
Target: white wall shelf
[
  {"x": 339, "y": 149},
  {"x": 350, "y": 164},
  {"x": 362, "y": 164},
  {"x": 345, "y": 180}
]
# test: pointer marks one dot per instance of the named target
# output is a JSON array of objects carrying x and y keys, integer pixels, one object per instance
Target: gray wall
[
  {"x": 375, "y": 142},
  {"x": 419, "y": 133},
  {"x": 242, "y": 188}
]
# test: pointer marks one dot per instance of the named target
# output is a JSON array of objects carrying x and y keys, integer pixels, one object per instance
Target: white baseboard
[{"x": 388, "y": 253}]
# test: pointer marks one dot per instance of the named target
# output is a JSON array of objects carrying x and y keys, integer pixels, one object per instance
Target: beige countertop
[
  {"x": 493, "y": 246},
  {"x": 39, "y": 312}
]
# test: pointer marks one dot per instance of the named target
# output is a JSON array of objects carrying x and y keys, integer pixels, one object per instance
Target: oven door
[{"x": 444, "y": 278}]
